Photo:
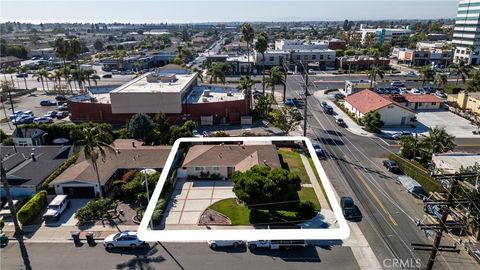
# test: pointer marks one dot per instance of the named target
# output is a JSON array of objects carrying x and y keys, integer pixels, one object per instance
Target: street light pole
[
  {"x": 306, "y": 105},
  {"x": 148, "y": 193}
]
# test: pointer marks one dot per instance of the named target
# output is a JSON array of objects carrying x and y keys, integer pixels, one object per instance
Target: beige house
[
  {"x": 466, "y": 101},
  {"x": 226, "y": 159}
]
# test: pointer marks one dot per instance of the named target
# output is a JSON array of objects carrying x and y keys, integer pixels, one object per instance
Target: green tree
[
  {"x": 61, "y": 48},
  {"x": 247, "y": 36},
  {"x": 275, "y": 77},
  {"x": 185, "y": 130},
  {"x": 373, "y": 73},
  {"x": 218, "y": 71},
  {"x": 24, "y": 69},
  {"x": 409, "y": 147},
  {"x": 42, "y": 75},
  {"x": 441, "y": 80},
  {"x": 199, "y": 73},
  {"x": 263, "y": 104},
  {"x": 428, "y": 74},
  {"x": 261, "y": 46},
  {"x": 473, "y": 85},
  {"x": 98, "y": 45},
  {"x": 350, "y": 52},
  {"x": 372, "y": 121},
  {"x": 462, "y": 70},
  {"x": 95, "y": 142},
  {"x": 284, "y": 119},
  {"x": 140, "y": 125},
  {"x": 438, "y": 141}
]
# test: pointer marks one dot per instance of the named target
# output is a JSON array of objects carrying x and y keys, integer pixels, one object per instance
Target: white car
[
  {"x": 213, "y": 244},
  {"x": 415, "y": 91},
  {"x": 45, "y": 120},
  {"x": 123, "y": 239}
]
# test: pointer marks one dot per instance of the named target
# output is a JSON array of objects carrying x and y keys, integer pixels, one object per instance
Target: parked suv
[
  {"x": 56, "y": 207},
  {"x": 390, "y": 165}
]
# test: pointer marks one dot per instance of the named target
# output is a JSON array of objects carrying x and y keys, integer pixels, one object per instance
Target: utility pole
[
  {"x": 284, "y": 81},
  {"x": 306, "y": 106}
]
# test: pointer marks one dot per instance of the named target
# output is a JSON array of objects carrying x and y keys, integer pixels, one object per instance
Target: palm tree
[
  {"x": 24, "y": 69},
  {"x": 247, "y": 35},
  {"x": 199, "y": 73},
  {"x": 57, "y": 77},
  {"x": 275, "y": 77},
  {"x": 373, "y": 73},
  {"x": 261, "y": 46},
  {"x": 462, "y": 71},
  {"x": 473, "y": 85},
  {"x": 42, "y": 75},
  {"x": 8, "y": 194},
  {"x": 10, "y": 70},
  {"x": 428, "y": 74},
  {"x": 441, "y": 80},
  {"x": 61, "y": 48},
  {"x": 74, "y": 50},
  {"x": 218, "y": 71},
  {"x": 95, "y": 143},
  {"x": 409, "y": 147},
  {"x": 88, "y": 74},
  {"x": 263, "y": 104},
  {"x": 438, "y": 141},
  {"x": 245, "y": 84}
]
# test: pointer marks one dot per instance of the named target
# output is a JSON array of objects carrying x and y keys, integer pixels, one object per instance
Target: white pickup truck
[{"x": 276, "y": 244}]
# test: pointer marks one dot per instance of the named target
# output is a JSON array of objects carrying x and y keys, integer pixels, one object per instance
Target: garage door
[{"x": 79, "y": 192}]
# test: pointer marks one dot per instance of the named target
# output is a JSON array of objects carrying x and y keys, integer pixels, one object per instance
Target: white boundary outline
[{"x": 198, "y": 235}]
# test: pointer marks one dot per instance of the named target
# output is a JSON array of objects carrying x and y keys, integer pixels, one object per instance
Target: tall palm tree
[
  {"x": 261, "y": 46},
  {"x": 428, "y": 74},
  {"x": 441, "y": 80},
  {"x": 88, "y": 75},
  {"x": 57, "y": 77},
  {"x": 438, "y": 141},
  {"x": 462, "y": 71},
  {"x": 8, "y": 194},
  {"x": 95, "y": 143},
  {"x": 10, "y": 70},
  {"x": 42, "y": 76},
  {"x": 218, "y": 71},
  {"x": 409, "y": 147},
  {"x": 74, "y": 50},
  {"x": 275, "y": 77},
  {"x": 199, "y": 73},
  {"x": 247, "y": 35},
  {"x": 24, "y": 69},
  {"x": 373, "y": 73}
]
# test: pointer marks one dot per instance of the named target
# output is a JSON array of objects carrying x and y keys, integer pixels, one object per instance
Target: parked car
[
  {"x": 318, "y": 150},
  {"x": 50, "y": 114},
  {"x": 22, "y": 75},
  {"x": 257, "y": 94},
  {"x": 62, "y": 114},
  {"x": 123, "y": 239},
  {"x": 23, "y": 119},
  {"x": 340, "y": 122},
  {"x": 324, "y": 103},
  {"x": 397, "y": 84},
  {"x": 399, "y": 135},
  {"x": 411, "y": 74},
  {"x": 412, "y": 186},
  {"x": 213, "y": 244},
  {"x": 195, "y": 133},
  {"x": 15, "y": 114},
  {"x": 28, "y": 113},
  {"x": 47, "y": 103},
  {"x": 415, "y": 91},
  {"x": 339, "y": 96},
  {"x": 391, "y": 165},
  {"x": 46, "y": 120},
  {"x": 276, "y": 244},
  {"x": 63, "y": 107},
  {"x": 297, "y": 115},
  {"x": 5, "y": 212},
  {"x": 349, "y": 209},
  {"x": 289, "y": 101},
  {"x": 56, "y": 207},
  {"x": 328, "y": 109},
  {"x": 61, "y": 98},
  {"x": 107, "y": 76},
  {"x": 440, "y": 94}
]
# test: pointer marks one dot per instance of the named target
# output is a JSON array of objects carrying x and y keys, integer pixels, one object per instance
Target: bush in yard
[
  {"x": 306, "y": 209},
  {"x": 94, "y": 210},
  {"x": 58, "y": 171},
  {"x": 140, "y": 126},
  {"x": 158, "y": 212},
  {"x": 32, "y": 208},
  {"x": 372, "y": 121}
]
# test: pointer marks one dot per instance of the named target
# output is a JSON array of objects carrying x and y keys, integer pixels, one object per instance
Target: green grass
[
  {"x": 310, "y": 160},
  {"x": 308, "y": 194},
  {"x": 293, "y": 162},
  {"x": 238, "y": 214}
]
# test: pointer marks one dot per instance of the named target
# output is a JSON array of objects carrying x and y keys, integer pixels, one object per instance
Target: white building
[
  {"x": 298, "y": 44},
  {"x": 384, "y": 34},
  {"x": 322, "y": 57},
  {"x": 354, "y": 86},
  {"x": 466, "y": 34}
]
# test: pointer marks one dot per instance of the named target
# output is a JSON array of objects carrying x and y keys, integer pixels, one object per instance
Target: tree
[
  {"x": 441, "y": 80},
  {"x": 247, "y": 36},
  {"x": 372, "y": 121},
  {"x": 350, "y": 52},
  {"x": 473, "y": 85},
  {"x": 264, "y": 104},
  {"x": 261, "y": 46},
  {"x": 24, "y": 69},
  {"x": 96, "y": 142},
  {"x": 140, "y": 125},
  {"x": 61, "y": 50},
  {"x": 462, "y": 70},
  {"x": 245, "y": 84},
  {"x": 185, "y": 130},
  {"x": 275, "y": 77},
  {"x": 42, "y": 75},
  {"x": 8, "y": 194},
  {"x": 218, "y": 71},
  {"x": 199, "y": 73},
  {"x": 409, "y": 147},
  {"x": 262, "y": 184},
  {"x": 98, "y": 45},
  {"x": 438, "y": 141},
  {"x": 284, "y": 119},
  {"x": 57, "y": 77},
  {"x": 428, "y": 74},
  {"x": 372, "y": 75}
]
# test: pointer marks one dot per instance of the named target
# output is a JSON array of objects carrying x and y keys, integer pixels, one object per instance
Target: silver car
[{"x": 123, "y": 239}]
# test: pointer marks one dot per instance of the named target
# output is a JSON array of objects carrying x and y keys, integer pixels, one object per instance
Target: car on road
[
  {"x": 397, "y": 84},
  {"x": 5, "y": 212},
  {"x": 289, "y": 101},
  {"x": 399, "y": 135},
  {"x": 47, "y": 103},
  {"x": 50, "y": 114},
  {"x": 123, "y": 239},
  {"x": 318, "y": 150},
  {"x": 63, "y": 107},
  {"x": 61, "y": 98},
  {"x": 349, "y": 209},
  {"x": 213, "y": 244},
  {"x": 328, "y": 109},
  {"x": 391, "y": 165},
  {"x": 107, "y": 76},
  {"x": 45, "y": 120},
  {"x": 22, "y": 75},
  {"x": 339, "y": 96},
  {"x": 411, "y": 74},
  {"x": 340, "y": 122},
  {"x": 62, "y": 114}
]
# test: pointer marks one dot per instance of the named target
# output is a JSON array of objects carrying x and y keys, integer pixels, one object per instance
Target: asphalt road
[
  {"x": 354, "y": 167},
  {"x": 171, "y": 256}
]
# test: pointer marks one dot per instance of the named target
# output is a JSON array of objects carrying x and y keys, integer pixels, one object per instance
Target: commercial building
[
  {"x": 10, "y": 61},
  {"x": 362, "y": 62},
  {"x": 381, "y": 35},
  {"x": 425, "y": 54},
  {"x": 466, "y": 34},
  {"x": 466, "y": 101},
  {"x": 299, "y": 44},
  {"x": 354, "y": 86},
  {"x": 322, "y": 58},
  {"x": 391, "y": 113}
]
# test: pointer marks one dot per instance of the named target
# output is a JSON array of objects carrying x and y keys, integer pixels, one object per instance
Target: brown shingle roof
[{"x": 367, "y": 100}]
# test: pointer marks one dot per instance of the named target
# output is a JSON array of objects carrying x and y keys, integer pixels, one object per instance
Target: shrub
[
  {"x": 8, "y": 141},
  {"x": 60, "y": 170},
  {"x": 128, "y": 176},
  {"x": 32, "y": 208},
  {"x": 55, "y": 131},
  {"x": 306, "y": 209},
  {"x": 95, "y": 209}
]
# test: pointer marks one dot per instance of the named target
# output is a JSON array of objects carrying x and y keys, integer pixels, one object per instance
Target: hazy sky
[{"x": 37, "y": 11}]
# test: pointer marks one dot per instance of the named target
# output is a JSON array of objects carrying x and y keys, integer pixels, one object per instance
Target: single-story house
[
  {"x": 80, "y": 179},
  {"x": 27, "y": 167},
  {"x": 417, "y": 102},
  {"x": 451, "y": 162},
  {"x": 391, "y": 112},
  {"x": 226, "y": 159},
  {"x": 28, "y": 136}
]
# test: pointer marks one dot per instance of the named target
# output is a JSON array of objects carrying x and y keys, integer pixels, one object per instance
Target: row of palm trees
[{"x": 437, "y": 141}]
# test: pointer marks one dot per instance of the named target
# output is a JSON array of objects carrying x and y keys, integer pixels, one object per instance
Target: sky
[{"x": 157, "y": 11}]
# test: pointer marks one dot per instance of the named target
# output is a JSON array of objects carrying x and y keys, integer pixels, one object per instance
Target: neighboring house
[
  {"x": 391, "y": 113},
  {"x": 466, "y": 101},
  {"x": 9, "y": 61},
  {"x": 354, "y": 86},
  {"x": 80, "y": 179},
  {"x": 224, "y": 160},
  {"x": 449, "y": 163},
  {"x": 28, "y": 136},
  {"x": 417, "y": 102},
  {"x": 28, "y": 167}
]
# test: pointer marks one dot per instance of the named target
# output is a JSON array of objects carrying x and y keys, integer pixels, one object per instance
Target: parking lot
[{"x": 191, "y": 198}]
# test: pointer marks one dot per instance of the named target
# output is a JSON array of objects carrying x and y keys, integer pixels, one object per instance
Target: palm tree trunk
[
  {"x": 11, "y": 78},
  {"x": 263, "y": 73},
  {"x": 43, "y": 85},
  {"x": 458, "y": 77},
  {"x": 13, "y": 211},
  {"x": 25, "y": 80},
  {"x": 95, "y": 168},
  {"x": 48, "y": 87}
]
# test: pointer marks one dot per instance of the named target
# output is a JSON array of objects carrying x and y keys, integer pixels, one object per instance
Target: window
[
  {"x": 314, "y": 57},
  {"x": 329, "y": 56},
  {"x": 433, "y": 103},
  {"x": 321, "y": 57},
  {"x": 305, "y": 57},
  {"x": 216, "y": 168},
  {"x": 198, "y": 168},
  {"x": 272, "y": 58}
]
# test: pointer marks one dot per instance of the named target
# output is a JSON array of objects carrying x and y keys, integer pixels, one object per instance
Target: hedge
[
  {"x": 417, "y": 172},
  {"x": 32, "y": 208},
  {"x": 55, "y": 131},
  {"x": 67, "y": 163}
]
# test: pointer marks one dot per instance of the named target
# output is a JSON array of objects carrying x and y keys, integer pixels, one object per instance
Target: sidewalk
[{"x": 315, "y": 184}]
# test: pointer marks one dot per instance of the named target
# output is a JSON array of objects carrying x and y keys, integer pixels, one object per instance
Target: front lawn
[
  {"x": 308, "y": 194},
  {"x": 292, "y": 161},
  {"x": 310, "y": 160}
]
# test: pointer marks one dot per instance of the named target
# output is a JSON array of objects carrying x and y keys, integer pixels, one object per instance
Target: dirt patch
[
  {"x": 212, "y": 217},
  {"x": 129, "y": 212}
]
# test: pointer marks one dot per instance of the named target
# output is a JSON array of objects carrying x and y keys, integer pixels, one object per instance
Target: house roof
[
  {"x": 23, "y": 170},
  {"x": 243, "y": 156},
  {"x": 7, "y": 59},
  {"x": 27, "y": 133},
  {"x": 412, "y": 98},
  {"x": 452, "y": 162},
  {"x": 126, "y": 157},
  {"x": 367, "y": 100},
  {"x": 171, "y": 67}
]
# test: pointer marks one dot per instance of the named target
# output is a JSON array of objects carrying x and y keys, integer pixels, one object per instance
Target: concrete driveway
[
  {"x": 68, "y": 217},
  {"x": 191, "y": 198}
]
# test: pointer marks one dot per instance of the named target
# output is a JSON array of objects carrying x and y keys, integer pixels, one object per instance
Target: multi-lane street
[{"x": 354, "y": 167}]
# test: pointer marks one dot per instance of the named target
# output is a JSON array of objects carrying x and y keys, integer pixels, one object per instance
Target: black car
[
  {"x": 340, "y": 122},
  {"x": 349, "y": 209},
  {"x": 62, "y": 114},
  {"x": 391, "y": 165},
  {"x": 47, "y": 103},
  {"x": 328, "y": 109},
  {"x": 22, "y": 75},
  {"x": 297, "y": 115},
  {"x": 339, "y": 96},
  {"x": 61, "y": 98},
  {"x": 105, "y": 76}
]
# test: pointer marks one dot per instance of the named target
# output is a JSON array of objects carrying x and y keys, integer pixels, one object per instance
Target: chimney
[
  {"x": 133, "y": 144},
  {"x": 33, "y": 156}
]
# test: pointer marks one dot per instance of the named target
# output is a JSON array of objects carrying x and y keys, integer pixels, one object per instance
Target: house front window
[
  {"x": 216, "y": 168},
  {"x": 198, "y": 168}
]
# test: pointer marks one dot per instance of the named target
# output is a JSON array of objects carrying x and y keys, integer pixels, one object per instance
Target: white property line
[{"x": 146, "y": 234}]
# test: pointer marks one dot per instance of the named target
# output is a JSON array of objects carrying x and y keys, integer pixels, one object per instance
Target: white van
[{"x": 56, "y": 207}]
